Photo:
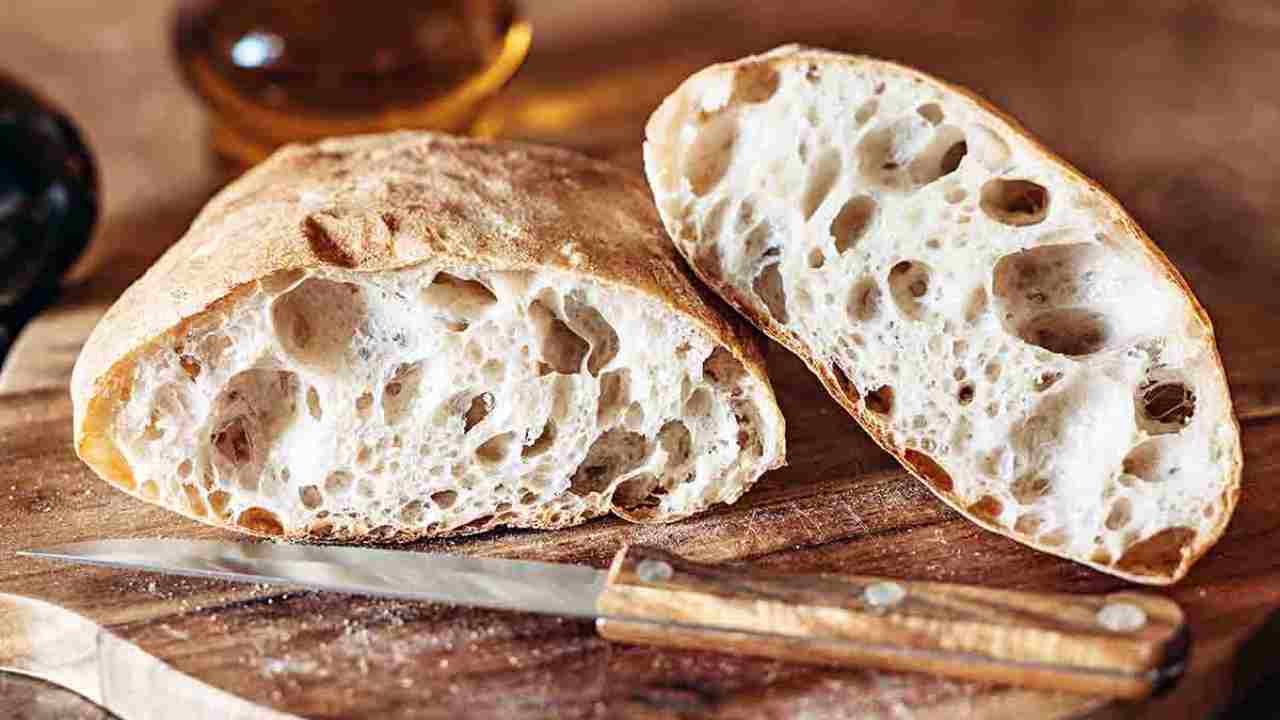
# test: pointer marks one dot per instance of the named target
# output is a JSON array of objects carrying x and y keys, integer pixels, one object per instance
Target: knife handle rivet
[
  {"x": 883, "y": 594},
  {"x": 1121, "y": 617},
  {"x": 654, "y": 571}
]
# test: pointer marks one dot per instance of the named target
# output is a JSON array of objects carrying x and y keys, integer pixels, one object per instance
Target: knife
[{"x": 1125, "y": 644}]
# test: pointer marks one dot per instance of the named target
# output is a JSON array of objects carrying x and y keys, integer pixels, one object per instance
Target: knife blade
[
  {"x": 1127, "y": 645},
  {"x": 538, "y": 587}
]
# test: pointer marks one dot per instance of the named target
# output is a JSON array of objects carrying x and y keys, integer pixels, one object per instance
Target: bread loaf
[
  {"x": 992, "y": 317},
  {"x": 392, "y": 337}
]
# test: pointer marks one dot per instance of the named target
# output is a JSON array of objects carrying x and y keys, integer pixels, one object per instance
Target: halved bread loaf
[
  {"x": 391, "y": 337},
  {"x": 993, "y": 318}
]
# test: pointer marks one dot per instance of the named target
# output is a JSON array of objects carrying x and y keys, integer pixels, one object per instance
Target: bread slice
[
  {"x": 391, "y": 337},
  {"x": 993, "y": 318}
]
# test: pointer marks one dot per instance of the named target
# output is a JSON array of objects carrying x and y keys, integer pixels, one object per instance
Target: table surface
[{"x": 1173, "y": 106}]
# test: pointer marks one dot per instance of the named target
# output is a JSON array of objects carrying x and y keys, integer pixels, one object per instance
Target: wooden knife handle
[{"x": 1127, "y": 645}]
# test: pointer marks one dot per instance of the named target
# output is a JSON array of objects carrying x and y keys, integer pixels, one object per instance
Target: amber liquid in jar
[{"x": 279, "y": 71}]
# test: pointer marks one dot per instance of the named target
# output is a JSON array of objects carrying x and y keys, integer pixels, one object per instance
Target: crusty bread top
[
  {"x": 873, "y": 219},
  {"x": 365, "y": 204}
]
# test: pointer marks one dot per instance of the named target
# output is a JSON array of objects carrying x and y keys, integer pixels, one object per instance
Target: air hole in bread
[
  {"x": 992, "y": 370},
  {"x": 884, "y": 154},
  {"x": 949, "y": 163},
  {"x": 940, "y": 157},
  {"x": 184, "y": 469},
  {"x": 864, "y": 300},
  {"x": 613, "y": 454},
  {"x": 699, "y": 404},
  {"x": 535, "y": 446},
  {"x": 965, "y": 395},
  {"x": 190, "y": 366},
  {"x": 955, "y": 195},
  {"x": 1046, "y": 380},
  {"x": 218, "y": 502},
  {"x": 713, "y": 221},
  {"x": 444, "y": 499},
  {"x": 456, "y": 301},
  {"x": 195, "y": 502},
  {"x": 866, "y": 111},
  {"x": 562, "y": 349},
  {"x": 1053, "y": 296},
  {"x": 1074, "y": 332},
  {"x": 928, "y": 468},
  {"x": 364, "y": 404},
  {"x": 253, "y": 410},
  {"x": 597, "y": 332},
  {"x": 1119, "y": 515},
  {"x": 991, "y": 151},
  {"x": 754, "y": 83},
  {"x": 1028, "y": 524},
  {"x": 747, "y": 417},
  {"x": 769, "y": 288},
  {"x": 477, "y": 410},
  {"x": 709, "y": 259},
  {"x": 316, "y": 321},
  {"x": 988, "y": 509},
  {"x": 843, "y": 382},
  {"x": 1015, "y": 202},
  {"x": 261, "y": 521},
  {"x": 313, "y": 403},
  {"x": 880, "y": 400},
  {"x": 310, "y": 497},
  {"x": 338, "y": 482},
  {"x": 674, "y": 438},
  {"x": 709, "y": 156},
  {"x": 851, "y": 223},
  {"x": 474, "y": 526},
  {"x": 817, "y": 258},
  {"x": 278, "y": 282},
  {"x": 932, "y": 112},
  {"x": 1029, "y": 488},
  {"x": 975, "y": 307},
  {"x": 493, "y": 371},
  {"x": 909, "y": 287},
  {"x": 822, "y": 177},
  {"x": 746, "y": 218},
  {"x": 1159, "y": 555},
  {"x": 637, "y": 497},
  {"x": 760, "y": 242},
  {"x": 400, "y": 391},
  {"x": 1054, "y": 538},
  {"x": 152, "y": 431},
  {"x": 615, "y": 394},
  {"x": 411, "y": 512},
  {"x": 723, "y": 368},
  {"x": 496, "y": 449},
  {"x": 634, "y": 418},
  {"x": 1155, "y": 460},
  {"x": 1165, "y": 406}
]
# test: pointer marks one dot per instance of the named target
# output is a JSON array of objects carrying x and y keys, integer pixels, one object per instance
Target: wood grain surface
[{"x": 1171, "y": 104}]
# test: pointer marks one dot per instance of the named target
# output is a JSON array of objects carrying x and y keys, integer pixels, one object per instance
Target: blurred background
[{"x": 1173, "y": 105}]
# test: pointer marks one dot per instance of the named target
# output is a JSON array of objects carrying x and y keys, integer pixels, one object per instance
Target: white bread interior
[
  {"x": 989, "y": 315},
  {"x": 420, "y": 389}
]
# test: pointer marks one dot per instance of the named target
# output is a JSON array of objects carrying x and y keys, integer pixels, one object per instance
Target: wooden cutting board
[{"x": 1171, "y": 105}]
